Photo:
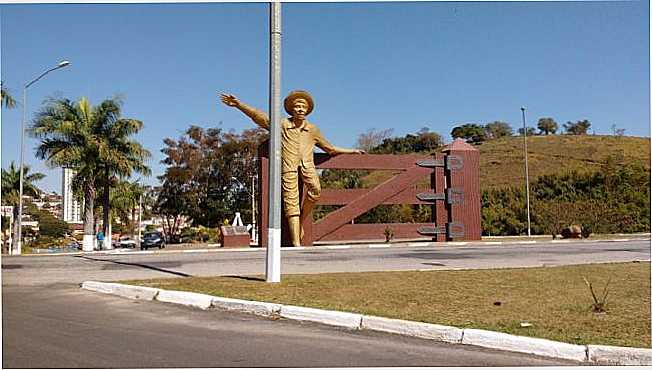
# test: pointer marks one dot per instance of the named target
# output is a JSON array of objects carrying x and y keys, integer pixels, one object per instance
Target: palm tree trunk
[
  {"x": 14, "y": 230},
  {"x": 89, "y": 232},
  {"x": 132, "y": 223},
  {"x": 105, "y": 213}
]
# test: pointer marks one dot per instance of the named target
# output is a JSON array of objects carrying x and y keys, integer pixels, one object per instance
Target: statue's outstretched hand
[{"x": 229, "y": 100}]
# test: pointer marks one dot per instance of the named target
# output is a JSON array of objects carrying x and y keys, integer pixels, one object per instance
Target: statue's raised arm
[{"x": 259, "y": 117}]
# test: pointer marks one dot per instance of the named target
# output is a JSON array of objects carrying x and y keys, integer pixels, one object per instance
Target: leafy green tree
[
  {"x": 547, "y": 126},
  {"x": 11, "y": 190},
  {"x": 498, "y": 129},
  {"x": 198, "y": 183},
  {"x": 423, "y": 141},
  {"x": 49, "y": 226},
  {"x": 125, "y": 197},
  {"x": 577, "y": 128},
  {"x": 530, "y": 131},
  {"x": 471, "y": 132}
]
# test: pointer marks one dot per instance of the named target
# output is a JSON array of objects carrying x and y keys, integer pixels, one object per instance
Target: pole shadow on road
[
  {"x": 250, "y": 278},
  {"x": 137, "y": 265}
]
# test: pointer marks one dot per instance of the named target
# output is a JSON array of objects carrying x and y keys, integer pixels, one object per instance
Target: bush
[{"x": 615, "y": 199}]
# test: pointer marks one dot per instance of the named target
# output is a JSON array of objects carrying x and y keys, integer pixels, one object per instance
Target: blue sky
[{"x": 368, "y": 65}]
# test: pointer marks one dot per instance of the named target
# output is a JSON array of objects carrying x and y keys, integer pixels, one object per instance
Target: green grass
[
  {"x": 502, "y": 162},
  {"x": 555, "y": 300}
]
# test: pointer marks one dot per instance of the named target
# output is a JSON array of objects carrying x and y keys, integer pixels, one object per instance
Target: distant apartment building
[{"x": 71, "y": 207}]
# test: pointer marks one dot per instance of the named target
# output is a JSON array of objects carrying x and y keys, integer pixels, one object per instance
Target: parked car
[
  {"x": 152, "y": 239},
  {"x": 126, "y": 242},
  {"x": 73, "y": 245}
]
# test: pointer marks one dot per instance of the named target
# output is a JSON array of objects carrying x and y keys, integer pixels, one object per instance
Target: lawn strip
[{"x": 554, "y": 300}]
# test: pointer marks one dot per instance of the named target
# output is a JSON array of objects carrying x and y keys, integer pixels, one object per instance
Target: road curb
[
  {"x": 593, "y": 354},
  {"x": 515, "y": 343},
  {"x": 198, "y": 300},
  {"x": 424, "y": 330},
  {"x": 122, "y": 290},
  {"x": 335, "y": 318},
  {"x": 611, "y": 355},
  {"x": 253, "y": 307}
]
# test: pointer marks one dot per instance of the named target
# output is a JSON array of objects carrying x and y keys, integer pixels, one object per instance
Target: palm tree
[
  {"x": 121, "y": 156},
  {"x": 11, "y": 190},
  {"x": 7, "y": 100},
  {"x": 125, "y": 197},
  {"x": 95, "y": 142}
]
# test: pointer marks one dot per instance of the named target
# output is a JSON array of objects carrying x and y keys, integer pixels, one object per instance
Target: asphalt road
[
  {"x": 49, "y": 322},
  {"x": 63, "y": 326},
  {"x": 75, "y": 269}
]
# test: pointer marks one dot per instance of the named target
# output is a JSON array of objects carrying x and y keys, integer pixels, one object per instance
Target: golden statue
[{"x": 298, "y": 138}]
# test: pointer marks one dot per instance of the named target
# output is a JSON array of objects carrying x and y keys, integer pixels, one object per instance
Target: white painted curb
[
  {"x": 254, "y": 307},
  {"x": 535, "y": 346},
  {"x": 199, "y": 300},
  {"x": 122, "y": 290},
  {"x": 594, "y": 354},
  {"x": 98, "y": 287},
  {"x": 336, "y": 318},
  {"x": 440, "y": 333},
  {"x": 620, "y": 355}
]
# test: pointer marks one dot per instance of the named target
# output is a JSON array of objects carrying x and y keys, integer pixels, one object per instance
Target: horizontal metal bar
[
  {"x": 451, "y": 196},
  {"x": 450, "y": 162},
  {"x": 431, "y": 230},
  {"x": 451, "y": 229},
  {"x": 431, "y": 163},
  {"x": 455, "y": 230},
  {"x": 431, "y": 197}
]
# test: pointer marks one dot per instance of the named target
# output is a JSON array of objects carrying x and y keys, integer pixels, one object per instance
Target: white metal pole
[
  {"x": 254, "y": 232},
  {"x": 19, "y": 235},
  {"x": 140, "y": 217},
  {"x": 19, "y": 242},
  {"x": 273, "y": 265},
  {"x": 527, "y": 176}
]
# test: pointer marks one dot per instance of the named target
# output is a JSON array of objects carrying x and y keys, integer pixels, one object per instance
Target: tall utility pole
[
  {"x": 140, "y": 217},
  {"x": 254, "y": 233},
  {"x": 19, "y": 231},
  {"x": 527, "y": 176},
  {"x": 273, "y": 265}
]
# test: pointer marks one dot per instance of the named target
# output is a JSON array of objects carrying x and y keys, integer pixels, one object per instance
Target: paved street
[
  {"x": 63, "y": 326},
  {"x": 49, "y": 322},
  {"x": 75, "y": 269}
]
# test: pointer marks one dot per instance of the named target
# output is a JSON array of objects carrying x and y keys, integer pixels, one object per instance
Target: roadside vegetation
[{"x": 552, "y": 302}]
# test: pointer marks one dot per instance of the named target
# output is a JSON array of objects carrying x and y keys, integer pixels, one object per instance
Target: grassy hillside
[{"x": 502, "y": 162}]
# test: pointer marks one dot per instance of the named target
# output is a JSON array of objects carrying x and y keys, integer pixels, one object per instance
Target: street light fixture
[
  {"x": 527, "y": 177},
  {"x": 19, "y": 243}
]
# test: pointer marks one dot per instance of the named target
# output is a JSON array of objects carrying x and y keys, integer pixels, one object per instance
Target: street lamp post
[
  {"x": 19, "y": 243},
  {"x": 527, "y": 176},
  {"x": 273, "y": 260}
]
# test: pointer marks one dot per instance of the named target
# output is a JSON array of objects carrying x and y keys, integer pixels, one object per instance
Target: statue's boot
[{"x": 295, "y": 229}]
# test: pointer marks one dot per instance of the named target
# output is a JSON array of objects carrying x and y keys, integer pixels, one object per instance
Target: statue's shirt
[{"x": 297, "y": 142}]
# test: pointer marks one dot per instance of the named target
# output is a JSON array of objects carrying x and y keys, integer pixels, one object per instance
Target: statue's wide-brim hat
[{"x": 298, "y": 94}]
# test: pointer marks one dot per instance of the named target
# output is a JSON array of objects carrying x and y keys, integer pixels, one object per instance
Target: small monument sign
[{"x": 234, "y": 236}]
